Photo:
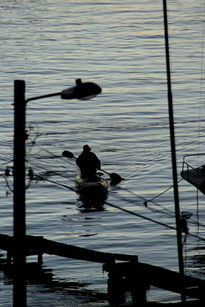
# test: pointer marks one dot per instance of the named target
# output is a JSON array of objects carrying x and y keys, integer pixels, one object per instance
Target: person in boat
[{"x": 88, "y": 163}]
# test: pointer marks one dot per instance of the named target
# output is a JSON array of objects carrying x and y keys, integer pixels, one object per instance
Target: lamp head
[{"x": 84, "y": 91}]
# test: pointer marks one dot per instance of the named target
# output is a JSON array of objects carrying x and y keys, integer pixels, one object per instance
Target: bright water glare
[{"x": 120, "y": 46}]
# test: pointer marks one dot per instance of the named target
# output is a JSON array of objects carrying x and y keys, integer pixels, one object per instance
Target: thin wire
[
  {"x": 201, "y": 79},
  {"x": 141, "y": 216},
  {"x": 151, "y": 220},
  {"x": 168, "y": 212},
  {"x": 150, "y": 200},
  {"x": 120, "y": 208},
  {"x": 55, "y": 182}
]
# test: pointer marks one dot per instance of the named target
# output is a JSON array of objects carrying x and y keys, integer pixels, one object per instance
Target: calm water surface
[{"x": 120, "y": 46}]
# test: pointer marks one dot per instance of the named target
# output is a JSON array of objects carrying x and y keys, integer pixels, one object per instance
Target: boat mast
[{"x": 172, "y": 143}]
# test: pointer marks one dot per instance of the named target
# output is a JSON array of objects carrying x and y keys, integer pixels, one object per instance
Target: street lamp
[{"x": 82, "y": 91}]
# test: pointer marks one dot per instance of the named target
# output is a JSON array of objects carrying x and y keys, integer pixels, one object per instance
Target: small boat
[
  {"x": 93, "y": 193},
  {"x": 194, "y": 175}
]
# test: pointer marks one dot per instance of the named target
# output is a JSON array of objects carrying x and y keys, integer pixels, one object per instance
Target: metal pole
[
  {"x": 43, "y": 96},
  {"x": 173, "y": 147},
  {"x": 19, "y": 220}
]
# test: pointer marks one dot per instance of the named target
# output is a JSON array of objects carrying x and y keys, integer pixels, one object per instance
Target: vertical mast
[{"x": 172, "y": 143}]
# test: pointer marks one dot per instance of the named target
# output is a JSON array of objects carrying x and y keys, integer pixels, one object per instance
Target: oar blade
[
  {"x": 67, "y": 154},
  {"x": 115, "y": 179}
]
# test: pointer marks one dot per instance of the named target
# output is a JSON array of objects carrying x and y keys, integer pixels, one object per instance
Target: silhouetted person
[{"x": 88, "y": 163}]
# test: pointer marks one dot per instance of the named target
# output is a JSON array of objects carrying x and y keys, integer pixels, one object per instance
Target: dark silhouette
[{"x": 88, "y": 163}]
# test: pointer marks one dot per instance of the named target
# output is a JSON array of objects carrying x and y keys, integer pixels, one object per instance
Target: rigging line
[
  {"x": 40, "y": 164},
  {"x": 49, "y": 152},
  {"x": 39, "y": 155},
  {"x": 72, "y": 189},
  {"x": 7, "y": 183},
  {"x": 41, "y": 149},
  {"x": 168, "y": 213},
  {"x": 51, "y": 156},
  {"x": 196, "y": 236},
  {"x": 125, "y": 189},
  {"x": 6, "y": 162},
  {"x": 53, "y": 172},
  {"x": 122, "y": 209},
  {"x": 55, "y": 182},
  {"x": 197, "y": 208},
  {"x": 151, "y": 220},
  {"x": 198, "y": 224},
  {"x": 141, "y": 216},
  {"x": 117, "y": 207},
  {"x": 201, "y": 71},
  {"x": 150, "y": 200}
]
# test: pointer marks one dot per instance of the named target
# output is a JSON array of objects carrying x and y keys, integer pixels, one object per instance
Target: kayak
[
  {"x": 83, "y": 185},
  {"x": 92, "y": 193}
]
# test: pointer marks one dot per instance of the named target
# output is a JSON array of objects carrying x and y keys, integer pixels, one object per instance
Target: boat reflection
[
  {"x": 90, "y": 201},
  {"x": 92, "y": 195}
]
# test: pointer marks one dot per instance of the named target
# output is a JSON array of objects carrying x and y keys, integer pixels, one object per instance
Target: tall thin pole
[
  {"x": 19, "y": 219},
  {"x": 172, "y": 142}
]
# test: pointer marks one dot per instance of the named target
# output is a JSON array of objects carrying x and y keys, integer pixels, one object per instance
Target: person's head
[{"x": 86, "y": 148}]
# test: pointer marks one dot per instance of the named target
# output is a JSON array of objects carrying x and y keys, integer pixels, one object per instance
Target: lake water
[{"x": 120, "y": 46}]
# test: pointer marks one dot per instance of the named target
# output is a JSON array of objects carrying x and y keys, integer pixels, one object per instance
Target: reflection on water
[
  {"x": 89, "y": 205},
  {"x": 120, "y": 46},
  {"x": 37, "y": 275}
]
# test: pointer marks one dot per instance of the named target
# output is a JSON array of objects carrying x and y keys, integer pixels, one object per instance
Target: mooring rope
[
  {"x": 55, "y": 182},
  {"x": 120, "y": 208},
  {"x": 165, "y": 211},
  {"x": 145, "y": 201},
  {"x": 169, "y": 212},
  {"x": 152, "y": 220},
  {"x": 140, "y": 215},
  {"x": 160, "y": 194}
]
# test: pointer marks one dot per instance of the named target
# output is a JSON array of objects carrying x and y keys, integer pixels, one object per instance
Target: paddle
[{"x": 115, "y": 178}]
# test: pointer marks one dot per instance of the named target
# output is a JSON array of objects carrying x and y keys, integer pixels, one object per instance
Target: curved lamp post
[{"x": 82, "y": 91}]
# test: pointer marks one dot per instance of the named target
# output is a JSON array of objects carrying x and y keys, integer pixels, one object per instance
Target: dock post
[
  {"x": 136, "y": 283},
  {"x": 40, "y": 258},
  {"x": 116, "y": 293},
  {"x": 138, "y": 291},
  {"x": 8, "y": 258}
]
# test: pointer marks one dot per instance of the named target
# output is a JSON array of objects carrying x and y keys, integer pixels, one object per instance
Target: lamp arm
[{"x": 43, "y": 96}]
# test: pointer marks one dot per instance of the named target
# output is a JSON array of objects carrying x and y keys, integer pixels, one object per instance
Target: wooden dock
[
  {"x": 39, "y": 246},
  {"x": 125, "y": 272},
  {"x": 138, "y": 277}
]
